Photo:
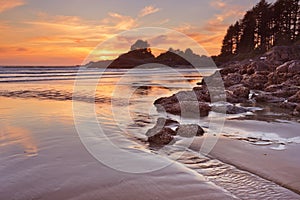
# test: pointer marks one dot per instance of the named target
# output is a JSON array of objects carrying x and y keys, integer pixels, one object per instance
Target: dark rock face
[{"x": 189, "y": 130}]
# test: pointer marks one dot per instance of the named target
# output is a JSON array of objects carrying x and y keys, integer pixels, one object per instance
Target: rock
[
  {"x": 292, "y": 79},
  {"x": 189, "y": 130},
  {"x": 230, "y": 109},
  {"x": 240, "y": 91},
  {"x": 232, "y": 79},
  {"x": 281, "y": 54},
  {"x": 161, "y": 122},
  {"x": 289, "y": 67},
  {"x": 267, "y": 98},
  {"x": 231, "y": 98},
  {"x": 192, "y": 109},
  {"x": 162, "y": 136},
  {"x": 295, "y": 98},
  {"x": 286, "y": 92},
  {"x": 274, "y": 88},
  {"x": 257, "y": 66},
  {"x": 276, "y": 78},
  {"x": 294, "y": 66},
  {"x": 202, "y": 93},
  {"x": 229, "y": 69},
  {"x": 255, "y": 81},
  {"x": 282, "y": 68},
  {"x": 296, "y": 111},
  {"x": 288, "y": 105}
]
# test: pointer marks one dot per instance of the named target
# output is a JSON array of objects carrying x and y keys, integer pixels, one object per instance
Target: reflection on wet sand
[{"x": 19, "y": 137}]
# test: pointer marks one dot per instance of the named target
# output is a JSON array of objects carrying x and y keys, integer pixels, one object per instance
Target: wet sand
[
  {"x": 279, "y": 166},
  {"x": 44, "y": 159}
]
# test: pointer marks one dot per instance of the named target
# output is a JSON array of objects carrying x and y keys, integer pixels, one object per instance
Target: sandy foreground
[
  {"x": 279, "y": 166},
  {"x": 42, "y": 157}
]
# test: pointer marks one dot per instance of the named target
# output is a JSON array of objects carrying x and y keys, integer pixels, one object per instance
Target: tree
[
  {"x": 227, "y": 47},
  {"x": 262, "y": 27},
  {"x": 262, "y": 15},
  {"x": 247, "y": 42}
]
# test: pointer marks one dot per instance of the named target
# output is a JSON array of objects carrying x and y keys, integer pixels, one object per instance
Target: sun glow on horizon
[{"x": 38, "y": 33}]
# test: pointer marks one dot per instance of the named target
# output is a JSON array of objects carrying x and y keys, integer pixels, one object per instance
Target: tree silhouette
[{"x": 262, "y": 27}]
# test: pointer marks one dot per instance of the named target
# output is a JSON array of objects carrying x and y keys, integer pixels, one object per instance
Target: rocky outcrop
[{"x": 272, "y": 81}]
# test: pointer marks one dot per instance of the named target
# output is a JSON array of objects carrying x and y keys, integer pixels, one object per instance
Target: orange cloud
[
  {"x": 10, "y": 4},
  {"x": 58, "y": 37},
  {"x": 218, "y": 4},
  {"x": 148, "y": 10}
]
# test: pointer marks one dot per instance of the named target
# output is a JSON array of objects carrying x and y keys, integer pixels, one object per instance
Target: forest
[{"x": 264, "y": 26}]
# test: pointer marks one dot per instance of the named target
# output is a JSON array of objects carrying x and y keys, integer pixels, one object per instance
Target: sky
[{"x": 64, "y": 32}]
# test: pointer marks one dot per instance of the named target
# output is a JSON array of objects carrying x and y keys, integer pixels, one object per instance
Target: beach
[{"x": 43, "y": 157}]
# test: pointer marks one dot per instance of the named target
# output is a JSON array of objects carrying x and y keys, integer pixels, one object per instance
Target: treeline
[{"x": 264, "y": 26}]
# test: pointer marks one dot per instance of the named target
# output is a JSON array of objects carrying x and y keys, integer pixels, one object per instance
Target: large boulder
[{"x": 189, "y": 130}]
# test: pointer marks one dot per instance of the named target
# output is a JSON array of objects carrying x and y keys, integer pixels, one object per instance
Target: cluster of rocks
[
  {"x": 163, "y": 134},
  {"x": 273, "y": 79}
]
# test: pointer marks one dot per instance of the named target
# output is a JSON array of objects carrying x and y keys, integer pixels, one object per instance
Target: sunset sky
[{"x": 63, "y": 32}]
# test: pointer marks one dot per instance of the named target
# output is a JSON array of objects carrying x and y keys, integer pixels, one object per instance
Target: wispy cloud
[
  {"x": 120, "y": 22},
  {"x": 218, "y": 4},
  {"x": 148, "y": 10},
  {"x": 10, "y": 4}
]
